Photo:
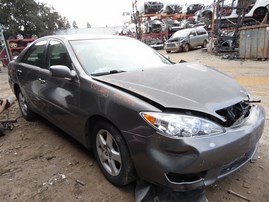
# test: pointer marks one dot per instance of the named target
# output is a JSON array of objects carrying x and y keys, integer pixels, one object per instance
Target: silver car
[{"x": 186, "y": 39}]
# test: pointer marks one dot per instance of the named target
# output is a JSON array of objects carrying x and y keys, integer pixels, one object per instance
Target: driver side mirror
[{"x": 62, "y": 71}]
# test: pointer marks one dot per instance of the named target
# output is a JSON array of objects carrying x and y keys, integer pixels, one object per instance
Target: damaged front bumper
[{"x": 191, "y": 163}]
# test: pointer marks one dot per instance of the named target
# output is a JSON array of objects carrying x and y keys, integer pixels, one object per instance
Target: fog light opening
[{"x": 185, "y": 178}]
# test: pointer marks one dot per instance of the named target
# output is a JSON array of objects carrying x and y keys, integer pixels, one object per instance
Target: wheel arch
[
  {"x": 130, "y": 169},
  {"x": 16, "y": 89},
  {"x": 89, "y": 127},
  {"x": 189, "y": 46},
  {"x": 255, "y": 12},
  {"x": 204, "y": 44}
]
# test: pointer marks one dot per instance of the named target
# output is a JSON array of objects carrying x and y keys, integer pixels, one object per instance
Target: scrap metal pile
[{"x": 156, "y": 21}]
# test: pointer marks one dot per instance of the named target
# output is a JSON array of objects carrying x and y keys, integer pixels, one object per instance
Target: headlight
[{"x": 176, "y": 126}]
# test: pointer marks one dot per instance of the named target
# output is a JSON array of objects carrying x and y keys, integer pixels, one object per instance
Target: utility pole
[
  {"x": 4, "y": 44},
  {"x": 212, "y": 27},
  {"x": 137, "y": 20}
]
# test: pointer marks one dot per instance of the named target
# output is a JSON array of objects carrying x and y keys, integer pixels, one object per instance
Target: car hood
[
  {"x": 176, "y": 39},
  {"x": 188, "y": 86}
]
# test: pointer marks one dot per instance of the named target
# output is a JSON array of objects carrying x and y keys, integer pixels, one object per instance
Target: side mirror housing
[{"x": 62, "y": 71}]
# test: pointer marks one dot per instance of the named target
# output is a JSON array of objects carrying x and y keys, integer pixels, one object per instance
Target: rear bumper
[{"x": 191, "y": 163}]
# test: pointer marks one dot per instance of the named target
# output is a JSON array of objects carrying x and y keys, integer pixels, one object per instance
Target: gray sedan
[{"x": 142, "y": 115}]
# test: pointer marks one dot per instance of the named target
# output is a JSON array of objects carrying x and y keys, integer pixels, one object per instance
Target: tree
[
  {"x": 88, "y": 25},
  {"x": 74, "y": 24},
  {"x": 68, "y": 26},
  {"x": 27, "y": 17}
]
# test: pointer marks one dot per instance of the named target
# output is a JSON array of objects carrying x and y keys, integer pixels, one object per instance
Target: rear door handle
[{"x": 42, "y": 81}]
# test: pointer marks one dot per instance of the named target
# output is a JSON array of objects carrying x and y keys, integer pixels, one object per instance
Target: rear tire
[
  {"x": 204, "y": 44},
  {"x": 112, "y": 154},
  {"x": 27, "y": 113}
]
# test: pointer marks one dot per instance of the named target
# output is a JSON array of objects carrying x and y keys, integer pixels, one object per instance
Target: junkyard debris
[
  {"x": 80, "y": 182},
  {"x": 50, "y": 157},
  {"x": 238, "y": 195},
  {"x": 56, "y": 177},
  {"x": 145, "y": 192}
]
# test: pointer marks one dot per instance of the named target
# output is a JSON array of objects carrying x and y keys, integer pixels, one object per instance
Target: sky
[{"x": 99, "y": 13}]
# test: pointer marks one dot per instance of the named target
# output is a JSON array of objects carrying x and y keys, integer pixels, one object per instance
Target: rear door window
[{"x": 34, "y": 56}]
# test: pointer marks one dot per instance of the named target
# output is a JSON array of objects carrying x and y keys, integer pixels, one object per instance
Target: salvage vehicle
[
  {"x": 142, "y": 115},
  {"x": 151, "y": 7},
  {"x": 153, "y": 26},
  {"x": 173, "y": 25},
  {"x": 171, "y": 9},
  {"x": 192, "y": 8},
  {"x": 256, "y": 9},
  {"x": 230, "y": 10},
  {"x": 186, "y": 39}
]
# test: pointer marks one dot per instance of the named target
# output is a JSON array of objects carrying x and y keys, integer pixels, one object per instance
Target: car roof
[{"x": 73, "y": 37}]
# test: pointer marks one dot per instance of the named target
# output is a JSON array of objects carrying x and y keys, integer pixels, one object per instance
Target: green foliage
[
  {"x": 74, "y": 24},
  {"x": 28, "y": 17}
]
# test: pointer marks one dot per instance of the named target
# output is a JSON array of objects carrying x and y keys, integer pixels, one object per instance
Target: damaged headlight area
[
  {"x": 178, "y": 126},
  {"x": 181, "y": 41}
]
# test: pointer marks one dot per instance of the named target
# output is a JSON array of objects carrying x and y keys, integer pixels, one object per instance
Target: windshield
[
  {"x": 99, "y": 56},
  {"x": 181, "y": 33}
]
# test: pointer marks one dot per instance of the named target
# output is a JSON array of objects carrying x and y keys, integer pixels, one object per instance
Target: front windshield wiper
[{"x": 114, "y": 71}]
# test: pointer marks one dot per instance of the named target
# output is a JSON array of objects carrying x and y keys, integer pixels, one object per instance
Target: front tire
[
  {"x": 112, "y": 155},
  {"x": 186, "y": 47},
  {"x": 27, "y": 113}
]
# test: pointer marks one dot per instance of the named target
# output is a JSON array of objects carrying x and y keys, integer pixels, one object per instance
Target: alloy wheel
[
  {"x": 23, "y": 104},
  {"x": 108, "y": 152}
]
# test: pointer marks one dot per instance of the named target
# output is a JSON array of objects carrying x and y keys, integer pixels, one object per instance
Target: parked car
[
  {"x": 186, "y": 39},
  {"x": 141, "y": 114}
]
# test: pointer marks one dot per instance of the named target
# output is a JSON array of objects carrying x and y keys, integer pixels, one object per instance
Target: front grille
[
  {"x": 235, "y": 113},
  {"x": 171, "y": 45}
]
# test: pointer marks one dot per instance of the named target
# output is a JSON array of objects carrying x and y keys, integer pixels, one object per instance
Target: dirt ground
[{"x": 38, "y": 162}]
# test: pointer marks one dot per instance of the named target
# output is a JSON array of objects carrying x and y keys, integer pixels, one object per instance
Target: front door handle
[{"x": 42, "y": 81}]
